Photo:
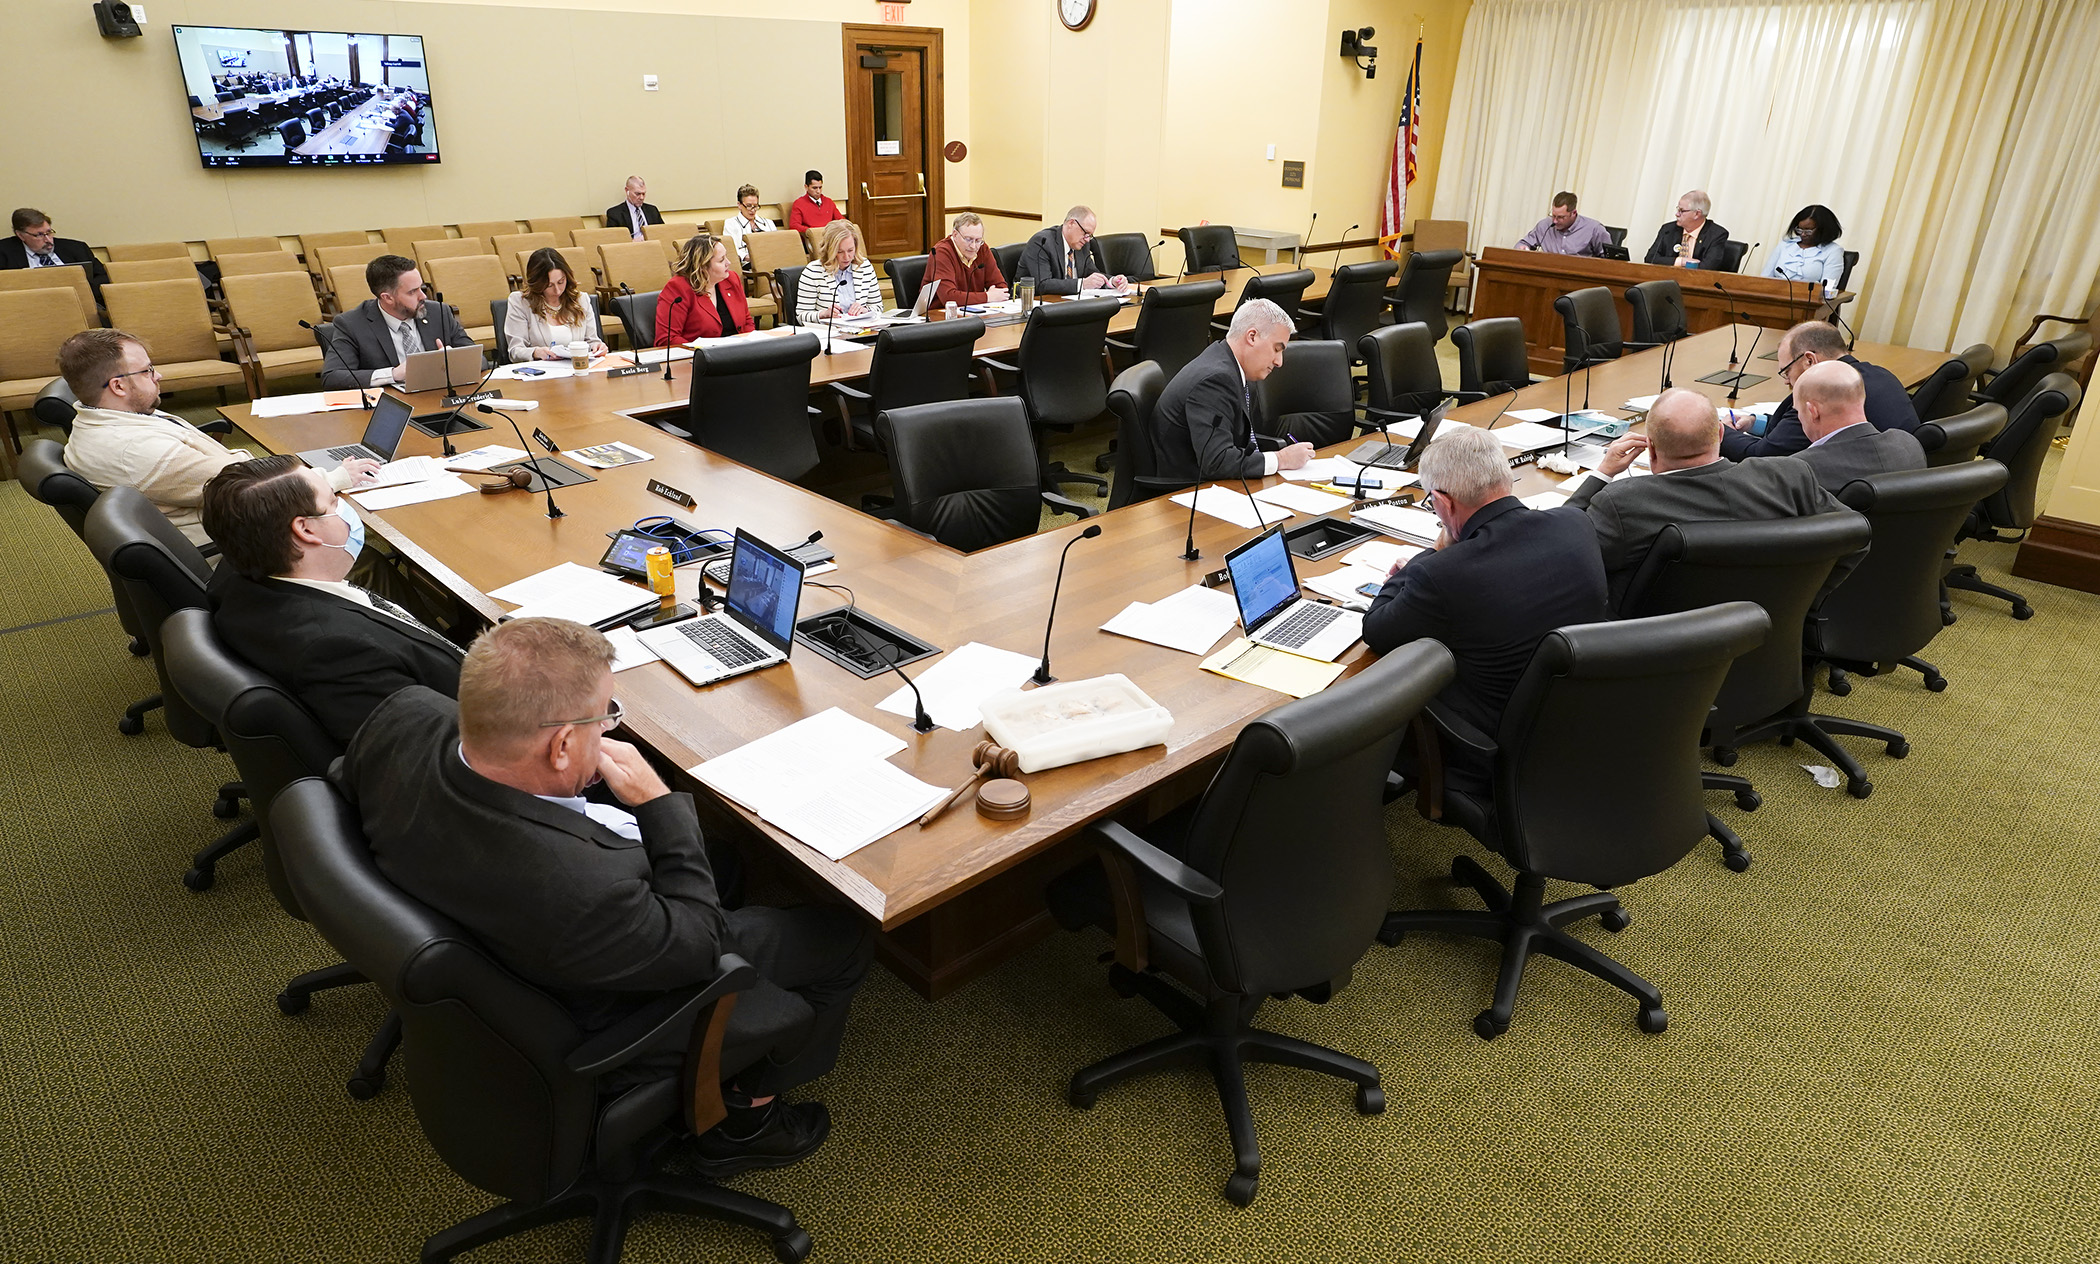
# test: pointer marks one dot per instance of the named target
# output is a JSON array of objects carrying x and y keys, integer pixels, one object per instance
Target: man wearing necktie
[
  {"x": 37, "y": 245},
  {"x": 633, "y": 212},
  {"x": 1064, "y": 260},
  {"x": 1204, "y": 425},
  {"x": 1690, "y": 240}
]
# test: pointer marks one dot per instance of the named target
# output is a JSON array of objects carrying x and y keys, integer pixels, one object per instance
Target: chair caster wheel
[
  {"x": 1898, "y": 750},
  {"x": 199, "y": 877},
  {"x": 1654, "y": 1020},
  {"x": 2023, "y": 611},
  {"x": 225, "y": 808},
  {"x": 1936, "y": 684},
  {"x": 1724, "y": 756},
  {"x": 1370, "y": 1099},
  {"x": 1749, "y": 800},
  {"x": 1239, "y": 1191},
  {"x": 292, "y": 1004},
  {"x": 1122, "y": 982},
  {"x": 1786, "y": 739},
  {"x": 1946, "y": 618},
  {"x": 365, "y": 1090},
  {"x": 1841, "y": 687},
  {"x": 1080, "y": 1098},
  {"x": 792, "y": 1248},
  {"x": 1487, "y": 1026},
  {"x": 131, "y": 725},
  {"x": 1738, "y": 861},
  {"x": 1859, "y": 789},
  {"x": 138, "y": 647},
  {"x": 1615, "y": 920},
  {"x": 1390, "y": 937}
]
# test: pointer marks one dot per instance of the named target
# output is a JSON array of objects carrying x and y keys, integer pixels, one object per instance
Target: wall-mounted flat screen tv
[{"x": 267, "y": 98}]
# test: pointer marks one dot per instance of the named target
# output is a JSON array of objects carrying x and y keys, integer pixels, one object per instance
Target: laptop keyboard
[
  {"x": 344, "y": 454},
  {"x": 724, "y": 646},
  {"x": 1305, "y": 623},
  {"x": 1382, "y": 455}
]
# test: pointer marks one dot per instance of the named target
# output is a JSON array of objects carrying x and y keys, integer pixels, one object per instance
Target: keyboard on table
[
  {"x": 344, "y": 454},
  {"x": 1381, "y": 455},
  {"x": 724, "y": 646},
  {"x": 1307, "y": 622}
]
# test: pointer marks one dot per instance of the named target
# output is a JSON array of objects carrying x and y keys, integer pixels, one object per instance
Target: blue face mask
[{"x": 355, "y": 544}]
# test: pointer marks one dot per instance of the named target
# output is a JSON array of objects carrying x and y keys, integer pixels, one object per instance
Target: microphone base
[
  {"x": 1192, "y": 554},
  {"x": 923, "y": 724},
  {"x": 554, "y": 510},
  {"x": 1043, "y": 677}
]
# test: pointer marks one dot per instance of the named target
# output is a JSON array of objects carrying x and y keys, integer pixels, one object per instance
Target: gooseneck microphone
[
  {"x": 444, "y": 428},
  {"x": 1736, "y": 383},
  {"x": 1567, "y": 392},
  {"x": 1298, "y": 255},
  {"x": 315, "y": 330},
  {"x": 546, "y": 484},
  {"x": 1732, "y": 314},
  {"x": 1042, "y": 670},
  {"x": 672, "y": 312},
  {"x": 920, "y": 721},
  {"x": 1340, "y": 242}
]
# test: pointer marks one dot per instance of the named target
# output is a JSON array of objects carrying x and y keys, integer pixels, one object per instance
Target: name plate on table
[
  {"x": 461, "y": 401},
  {"x": 632, "y": 370},
  {"x": 670, "y": 493}
]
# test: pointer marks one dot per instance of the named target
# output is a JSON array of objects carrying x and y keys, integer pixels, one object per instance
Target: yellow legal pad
[{"x": 1272, "y": 669}]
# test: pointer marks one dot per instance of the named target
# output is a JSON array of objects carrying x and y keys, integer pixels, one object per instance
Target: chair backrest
[
  {"x": 637, "y": 313},
  {"x": 1009, "y": 258},
  {"x": 922, "y": 364},
  {"x": 351, "y": 254},
  {"x": 1732, "y": 253},
  {"x": 1063, "y": 379},
  {"x": 1492, "y": 357},
  {"x": 447, "y": 248},
  {"x": 1285, "y": 289},
  {"x": 750, "y": 403},
  {"x": 1638, "y": 688},
  {"x": 1779, "y": 563},
  {"x": 1310, "y": 396},
  {"x": 1957, "y": 439},
  {"x": 1617, "y": 235},
  {"x": 1658, "y": 311},
  {"x": 1851, "y": 258},
  {"x": 270, "y": 306},
  {"x": 273, "y": 740},
  {"x": 1944, "y": 390},
  {"x": 1355, "y": 300},
  {"x": 1440, "y": 234},
  {"x": 581, "y": 265},
  {"x": 781, "y": 248},
  {"x": 45, "y": 475},
  {"x": 965, "y": 472},
  {"x": 70, "y": 278},
  {"x": 160, "y": 572},
  {"x": 787, "y": 282},
  {"x": 1133, "y": 397},
  {"x": 2021, "y": 446},
  {"x": 312, "y": 244},
  {"x": 515, "y": 248},
  {"x": 1210, "y": 247},
  {"x": 56, "y": 405},
  {"x": 293, "y": 131},
  {"x": 1401, "y": 373},
  {"x": 133, "y": 252},
  {"x": 484, "y": 1050},
  {"x": 1590, "y": 325},
  {"x": 1173, "y": 325},
  {"x": 907, "y": 273},
  {"x": 1125, "y": 254},
  {"x": 559, "y": 225},
  {"x": 153, "y": 270},
  {"x": 489, "y": 229},
  {"x": 468, "y": 281},
  {"x": 591, "y": 238},
  {"x": 1300, "y": 905},
  {"x": 170, "y": 315},
  {"x": 2019, "y": 377},
  {"x": 638, "y": 265},
  {"x": 260, "y": 261},
  {"x": 33, "y": 325},
  {"x": 218, "y": 246},
  {"x": 680, "y": 231},
  {"x": 402, "y": 239},
  {"x": 1422, "y": 287},
  {"x": 1889, "y": 606}
]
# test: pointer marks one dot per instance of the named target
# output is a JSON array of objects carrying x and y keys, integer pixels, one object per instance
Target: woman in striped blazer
[{"x": 841, "y": 282}]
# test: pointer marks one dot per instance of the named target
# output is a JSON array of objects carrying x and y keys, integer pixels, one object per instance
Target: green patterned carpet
[{"x": 1882, "y": 1038}]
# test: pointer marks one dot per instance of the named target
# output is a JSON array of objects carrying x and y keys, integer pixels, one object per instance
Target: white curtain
[{"x": 1955, "y": 139}]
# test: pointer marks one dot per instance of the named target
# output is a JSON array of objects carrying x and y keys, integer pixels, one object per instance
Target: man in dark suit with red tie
[{"x": 1203, "y": 427}]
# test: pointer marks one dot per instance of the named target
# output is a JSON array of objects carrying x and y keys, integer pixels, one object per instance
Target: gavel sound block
[{"x": 991, "y": 760}]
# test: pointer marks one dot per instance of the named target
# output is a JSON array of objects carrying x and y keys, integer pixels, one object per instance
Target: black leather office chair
[
  {"x": 1732, "y": 253},
  {"x": 2005, "y": 515},
  {"x": 1888, "y": 609},
  {"x": 1126, "y": 255},
  {"x": 1210, "y": 248},
  {"x": 1946, "y": 391},
  {"x": 55, "y": 405},
  {"x": 1246, "y": 902},
  {"x": 1617, "y": 235},
  {"x": 637, "y": 313},
  {"x": 1285, "y": 289},
  {"x": 1419, "y": 296},
  {"x": 274, "y": 741},
  {"x": 1590, "y": 327},
  {"x": 913, "y": 364},
  {"x": 1132, "y": 397},
  {"x": 1637, "y": 688},
  {"x": 907, "y": 273},
  {"x": 1355, "y": 301},
  {"x": 750, "y": 403},
  {"x": 1009, "y": 258},
  {"x": 787, "y": 282},
  {"x": 499, "y": 315},
  {"x": 162, "y": 572},
  {"x": 1492, "y": 356},
  {"x": 1851, "y": 258},
  {"x": 324, "y": 338},
  {"x": 1957, "y": 439},
  {"x": 1310, "y": 396},
  {"x": 294, "y": 133},
  {"x": 966, "y": 472},
  {"x": 1173, "y": 325},
  {"x": 1658, "y": 314},
  {"x": 1061, "y": 374},
  {"x": 1781, "y": 564},
  {"x": 2011, "y": 384},
  {"x": 504, "y": 1084},
  {"x": 1401, "y": 374}
]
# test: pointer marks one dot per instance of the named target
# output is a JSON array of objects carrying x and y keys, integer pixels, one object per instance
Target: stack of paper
[
  {"x": 827, "y": 780},
  {"x": 1232, "y": 505},
  {"x": 1532, "y": 414},
  {"x": 569, "y": 591},
  {"x": 408, "y": 469},
  {"x": 485, "y": 457},
  {"x": 310, "y": 402},
  {"x": 1639, "y": 404},
  {"x": 1191, "y": 620},
  {"x": 606, "y": 456},
  {"x": 1302, "y": 499},
  {"x": 1528, "y": 437},
  {"x": 965, "y": 676},
  {"x": 1272, "y": 669},
  {"x": 1546, "y": 500},
  {"x": 1380, "y": 555},
  {"x": 1346, "y": 585},
  {"x": 1416, "y": 525},
  {"x": 443, "y": 487},
  {"x": 1324, "y": 469},
  {"x": 628, "y": 650}
]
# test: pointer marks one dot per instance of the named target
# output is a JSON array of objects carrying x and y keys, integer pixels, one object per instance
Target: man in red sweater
[
  {"x": 966, "y": 270},
  {"x": 813, "y": 209}
]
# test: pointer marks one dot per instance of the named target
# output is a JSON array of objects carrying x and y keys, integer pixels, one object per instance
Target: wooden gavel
[
  {"x": 992, "y": 760},
  {"x": 513, "y": 480}
]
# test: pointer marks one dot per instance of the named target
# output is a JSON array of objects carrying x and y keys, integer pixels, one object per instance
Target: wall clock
[{"x": 1076, "y": 13}]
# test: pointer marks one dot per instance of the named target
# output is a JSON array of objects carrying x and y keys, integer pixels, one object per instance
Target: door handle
[{"x": 892, "y": 197}]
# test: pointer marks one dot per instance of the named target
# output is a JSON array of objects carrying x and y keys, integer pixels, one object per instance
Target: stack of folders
[{"x": 826, "y": 780}]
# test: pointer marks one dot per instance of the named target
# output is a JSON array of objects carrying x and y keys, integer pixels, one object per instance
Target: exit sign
[{"x": 893, "y": 11}]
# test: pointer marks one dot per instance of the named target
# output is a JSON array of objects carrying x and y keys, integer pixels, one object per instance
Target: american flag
[{"x": 1392, "y": 210}]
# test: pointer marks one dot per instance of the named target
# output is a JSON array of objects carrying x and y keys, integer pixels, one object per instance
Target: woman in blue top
[{"x": 1810, "y": 252}]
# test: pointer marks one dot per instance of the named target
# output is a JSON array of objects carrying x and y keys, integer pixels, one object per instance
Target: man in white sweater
[{"x": 120, "y": 439}]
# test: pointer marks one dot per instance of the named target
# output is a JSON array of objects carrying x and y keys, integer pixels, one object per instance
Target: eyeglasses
[
  {"x": 1084, "y": 235},
  {"x": 611, "y": 719},
  {"x": 132, "y": 373},
  {"x": 1791, "y": 363}
]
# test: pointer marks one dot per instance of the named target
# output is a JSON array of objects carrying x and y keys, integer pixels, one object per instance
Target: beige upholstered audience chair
[
  {"x": 73, "y": 280},
  {"x": 402, "y": 239},
  {"x": 169, "y": 269},
  {"x": 33, "y": 325},
  {"x": 591, "y": 238},
  {"x": 260, "y": 261},
  {"x": 638, "y": 265},
  {"x": 469, "y": 284},
  {"x": 266, "y": 310},
  {"x": 217, "y": 246},
  {"x": 136, "y": 251},
  {"x": 446, "y": 248},
  {"x": 515, "y": 248},
  {"x": 559, "y": 225},
  {"x": 488, "y": 229},
  {"x": 172, "y": 318}
]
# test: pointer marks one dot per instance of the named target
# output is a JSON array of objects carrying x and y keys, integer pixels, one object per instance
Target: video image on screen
[{"x": 263, "y": 98}]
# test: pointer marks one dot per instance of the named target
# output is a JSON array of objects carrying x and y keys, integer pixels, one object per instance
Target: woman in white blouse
[
  {"x": 841, "y": 282},
  {"x": 548, "y": 314},
  {"x": 1810, "y": 252}
]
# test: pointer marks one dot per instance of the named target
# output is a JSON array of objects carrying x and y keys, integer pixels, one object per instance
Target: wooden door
[{"x": 893, "y": 131}]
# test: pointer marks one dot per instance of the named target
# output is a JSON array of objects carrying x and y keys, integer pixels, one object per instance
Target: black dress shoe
[{"x": 790, "y": 1134}]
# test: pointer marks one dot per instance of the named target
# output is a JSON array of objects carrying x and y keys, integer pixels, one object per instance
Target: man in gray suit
[
  {"x": 1843, "y": 444},
  {"x": 373, "y": 340},
  {"x": 1692, "y": 482}
]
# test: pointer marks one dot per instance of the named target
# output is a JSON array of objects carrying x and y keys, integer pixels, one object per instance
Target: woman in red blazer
[{"x": 705, "y": 297}]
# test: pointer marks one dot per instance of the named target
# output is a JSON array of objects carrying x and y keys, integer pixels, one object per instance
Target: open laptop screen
[
  {"x": 389, "y": 420},
  {"x": 765, "y": 589},
  {"x": 1263, "y": 580}
]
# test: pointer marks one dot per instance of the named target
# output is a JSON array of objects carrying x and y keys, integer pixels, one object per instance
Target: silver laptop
[
  {"x": 427, "y": 369},
  {"x": 382, "y": 437},
  {"x": 920, "y": 306},
  {"x": 755, "y": 627},
  {"x": 1265, "y": 583}
]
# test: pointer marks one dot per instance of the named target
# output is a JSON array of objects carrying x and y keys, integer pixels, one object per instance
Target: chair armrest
[
  {"x": 210, "y": 548},
  {"x": 1060, "y": 505},
  {"x": 663, "y": 1024},
  {"x": 1458, "y": 730},
  {"x": 1120, "y": 345},
  {"x": 1467, "y": 397},
  {"x": 1000, "y": 365},
  {"x": 1186, "y": 882},
  {"x": 848, "y": 392},
  {"x": 217, "y": 425}
]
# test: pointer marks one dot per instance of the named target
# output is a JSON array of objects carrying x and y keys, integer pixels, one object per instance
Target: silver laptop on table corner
[
  {"x": 382, "y": 437},
  {"x": 755, "y": 627},
  {"x": 1265, "y": 583}
]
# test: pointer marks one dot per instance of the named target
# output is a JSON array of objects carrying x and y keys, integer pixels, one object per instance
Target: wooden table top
[{"x": 999, "y": 596}]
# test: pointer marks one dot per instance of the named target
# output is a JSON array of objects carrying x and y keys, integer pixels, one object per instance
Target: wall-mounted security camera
[{"x": 1357, "y": 48}]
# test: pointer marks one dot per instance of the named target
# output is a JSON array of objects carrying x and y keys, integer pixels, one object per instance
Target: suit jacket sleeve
[
  {"x": 1216, "y": 421},
  {"x": 1782, "y": 437},
  {"x": 1043, "y": 261},
  {"x": 1408, "y": 608},
  {"x": 344, "y": 677},
  {"x": 1664, "y": 252},
  {"x": 661, "y": 933},
  {"x": 1606, "y": 521},
  {"x": 676, "y": 321},
  {"x": 1713, "y": 253},
  {"x": 1820, "y": 501},
  {"x": 449, "y": 331},
  {"x": 339, "y": 367}
]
